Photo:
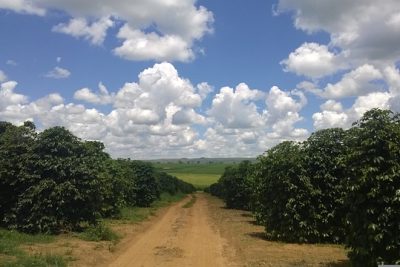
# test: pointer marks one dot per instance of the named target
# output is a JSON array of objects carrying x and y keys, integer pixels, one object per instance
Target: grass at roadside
[
  {"x": 11, "y": 253},
  {"x": 138, "y": 214},
  {"x": 190, "y": 203},
  {"x": 88, "y": 248}
]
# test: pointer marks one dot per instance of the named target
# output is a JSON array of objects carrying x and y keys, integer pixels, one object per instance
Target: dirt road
[{"x": 181, "y": 237}]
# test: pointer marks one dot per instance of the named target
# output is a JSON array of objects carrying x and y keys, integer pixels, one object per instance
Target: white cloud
[
  {"x": 355, "y": 83},
  {"x": 312, "y": 60},
  {"x": 58, "y": 59},
  {"x": 157, "y": 116},
  {"x": 246, "y": 121},
  {"x": 8, "y": 97},
  {"x": 3, "y": 76},
  {"x": 58, "y": 73},
  {"x": 365, "y": 30},
  {"x": 138, "y": 45},
  {"x": 235, "y": 108},
  {"x": 392, "y": 77},
  {"x": 283, "y": 112},
  {"x": 22, "y": 6},
  {"x": 79, "y": 27},
  {"x": 204, "y": 89},
  {"x": 153, "y": 30},
  {"x": 102, "y": 97},
  {"x": 333, "y": 115},
  {"x": 159, "y": 90}
]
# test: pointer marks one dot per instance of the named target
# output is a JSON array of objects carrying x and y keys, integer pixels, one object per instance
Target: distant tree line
[
  {"x": 53, "y": 181},
  {"x": 338, "y": 186}
]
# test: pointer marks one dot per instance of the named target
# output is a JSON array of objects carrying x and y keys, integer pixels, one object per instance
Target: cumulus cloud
[
  {"x": 58, "y": 73},
  {"x": 365, "y": 36},
  {"x": 312, "y": 60},
  {"x": 204, "y": 89},
  {"x": 102, "y": 97},
  {"x": 332, "y": 113},
  {"x": 355, "y": 83},
  {"x": 159, "y": 90},
  {"x": 152, "y": 30},
  {"x": 9, "y": 97},
  {"x": 156, "y": 116},
  {"x": 79, "y": 27},
  {"x": 3, "y": 76},
  {"x": 138, "y": 45},
  {"x": 392, "y": 77},
  {"x": 365, "y": 30},
  {"x": 22, "y": 6},
  {"x": 283, "y": 112},
  {"x": 244, "y": 121},
  {"x": 235, "y": 108}
]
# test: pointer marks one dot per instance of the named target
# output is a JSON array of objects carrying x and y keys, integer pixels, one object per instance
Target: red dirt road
[{"x": 181, "y": 237}]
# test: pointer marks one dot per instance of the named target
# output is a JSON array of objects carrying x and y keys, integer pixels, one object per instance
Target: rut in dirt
[{"x": 182, "y": 237}]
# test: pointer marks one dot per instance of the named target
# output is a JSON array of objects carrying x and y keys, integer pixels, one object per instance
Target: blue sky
[{"x": 165, "y": 79}]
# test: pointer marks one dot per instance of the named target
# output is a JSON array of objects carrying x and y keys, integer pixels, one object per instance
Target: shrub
[
  {"x": 99, "y": 232},
  {"x": 237, "y": 187},
  {"x": 323, "y": 164},
  {"x": 284, "y": 193},
  {"x": 61, "y": 189},
  {"x": 373, "y": 200}
]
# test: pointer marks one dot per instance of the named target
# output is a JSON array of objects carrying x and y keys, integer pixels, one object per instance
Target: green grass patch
[
  {"x": 200, "y": 181},
  {"x": 138, "y": 214},
  {"x": 37, "y": 260},
  {"x": 190, "y": 203},
  {"x": 99, "y": 232},
  {"x": 200, "y": 175},
  {"x": 12, "y": 255},
  {"x": 205, "y": 168}
]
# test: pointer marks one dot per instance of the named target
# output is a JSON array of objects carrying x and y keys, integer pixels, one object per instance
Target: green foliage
[
  {"x": 283, "y": 194},
  {"x": 11, "y": 240},
  {"x": 16, "y": 158},
  {"x": 337, "y": 186},
  {"x": 323, "y": 165},
  {"x": 37, "y": 260},
  {"x": 64, "y": 189},
  {"x": 99, "y": 232},
  {"x": 373, "y": 200},
  {"x": 10, "y": 244},
  {"x": 53, "y": 181},
  {"x": 234, "y": 186},
  {"x": 172, "y": 185}
]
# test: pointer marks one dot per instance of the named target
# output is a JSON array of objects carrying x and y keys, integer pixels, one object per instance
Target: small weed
[
  {"x": 138, "y": 214},
  {"x": 37, "y": 260},
  {"x": 10, "y": 247},
  {"x": 190, "y": 203},
  {"x": 99, "y": 232}
]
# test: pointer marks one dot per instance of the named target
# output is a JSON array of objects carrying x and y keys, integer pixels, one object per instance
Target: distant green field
[{"x": 200, "y": 175}]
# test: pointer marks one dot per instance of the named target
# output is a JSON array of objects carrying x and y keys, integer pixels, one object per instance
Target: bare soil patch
[{"x": 252, "y": 249}]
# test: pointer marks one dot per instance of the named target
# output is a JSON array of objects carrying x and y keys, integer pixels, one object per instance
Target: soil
[
  {"x": 203, "y": 234},
  {"x": 181, "y": 237},
  {"x": 252, "y": 249}
]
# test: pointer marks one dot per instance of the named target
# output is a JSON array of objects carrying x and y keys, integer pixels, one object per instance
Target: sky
[{"x": 209, "y": 78}]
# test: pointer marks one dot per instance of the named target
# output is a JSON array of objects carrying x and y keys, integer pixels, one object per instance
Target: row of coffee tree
[
  {"x": 338, "y": 186},
  {"x": 53, "y": 181}
]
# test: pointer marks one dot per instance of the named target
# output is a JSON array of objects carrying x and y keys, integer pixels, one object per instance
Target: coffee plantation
[{"x": 338, "y": 186}]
